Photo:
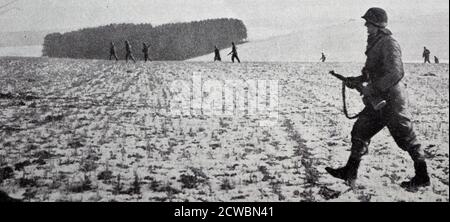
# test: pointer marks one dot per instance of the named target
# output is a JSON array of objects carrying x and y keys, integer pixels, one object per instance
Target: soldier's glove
[
  {"x": 352, "y": 82},
  {"x": 368, "y": 90}
]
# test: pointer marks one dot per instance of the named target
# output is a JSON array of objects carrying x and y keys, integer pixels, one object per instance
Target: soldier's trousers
[
  {"x": 395, "y": 117},
  {"x": 113, "y": 55},
  {"x": 129, "y": 56},
  {"x": 234, "y": 56},
  {"x": 427, "y": 59}
]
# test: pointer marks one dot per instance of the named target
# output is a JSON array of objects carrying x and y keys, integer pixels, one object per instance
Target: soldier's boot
[
  {"x": 421, "y": 179},
  {"x": 349, "y": 173}
]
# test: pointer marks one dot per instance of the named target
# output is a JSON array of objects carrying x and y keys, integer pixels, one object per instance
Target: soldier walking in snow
[
  {"x": 383, "y": 72},
  {"x": 129, "y": 54},
  {"x": 217, "y": 54},
  {"x": 426, "y": 55},
  {"x": 323, "y": 58},
  {"x": 234, "y": 54},
  {"x": 145, "y": 49},
  {"x": 112, "y": 51},
  {"x": 436, "y": 60}
]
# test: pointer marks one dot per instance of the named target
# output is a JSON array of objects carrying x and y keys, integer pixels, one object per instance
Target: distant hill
[
  {"x": 22, "y": 44},
  {"x": 178, "y": 41},
  {"x": 346, "y": 42},
  {"x": 23, "y": 38}
]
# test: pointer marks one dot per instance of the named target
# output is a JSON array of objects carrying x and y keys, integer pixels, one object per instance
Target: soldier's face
[{"x": 371, "y": 29}]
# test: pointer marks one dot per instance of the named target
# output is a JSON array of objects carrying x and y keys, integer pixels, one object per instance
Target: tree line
[{"x": 174, "y": 41}]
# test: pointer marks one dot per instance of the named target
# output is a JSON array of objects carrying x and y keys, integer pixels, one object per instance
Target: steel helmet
[{"x": 377, "y": 17}]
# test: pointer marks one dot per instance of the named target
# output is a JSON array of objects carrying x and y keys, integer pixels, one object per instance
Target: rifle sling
[{"x": 344, "y": 98}]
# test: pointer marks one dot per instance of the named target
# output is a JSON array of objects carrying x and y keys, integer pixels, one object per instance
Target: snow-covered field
[{"x": 78, "y": 130}]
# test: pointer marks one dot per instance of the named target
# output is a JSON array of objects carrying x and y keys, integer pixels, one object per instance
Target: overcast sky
[{"x": 262, "y": 17}]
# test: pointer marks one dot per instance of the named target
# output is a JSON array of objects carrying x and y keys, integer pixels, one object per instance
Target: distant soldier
[
  {"x": 129, "y": 54},
  {"x": 112, "y": 51},
  {"x": 234, "y": 54},
  {"x": 145, "y": 50},
  {"x": 426, "y": 55},
  {"x": 324, "y": 58},
  {"x": 436, "y": 60},
  {"x": 383, "y": 72},
  {"x": 217, "y": 54}
]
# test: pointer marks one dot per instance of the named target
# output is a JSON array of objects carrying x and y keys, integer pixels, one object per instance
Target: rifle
[{"x": 376, "y": 102}]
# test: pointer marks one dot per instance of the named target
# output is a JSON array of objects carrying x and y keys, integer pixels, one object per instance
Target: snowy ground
[{"x": 76, "y": 130}]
